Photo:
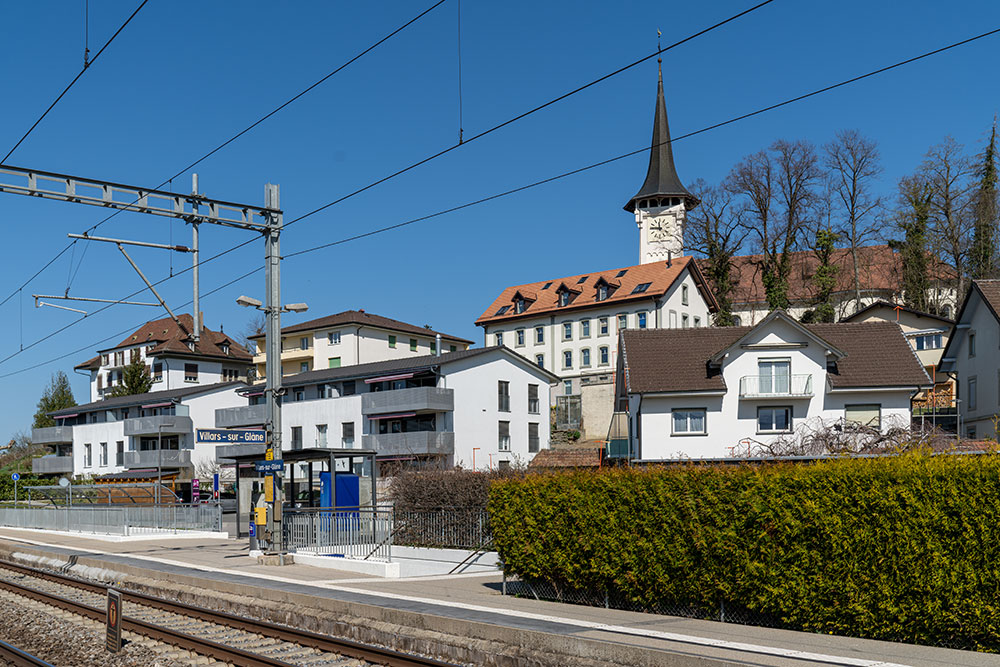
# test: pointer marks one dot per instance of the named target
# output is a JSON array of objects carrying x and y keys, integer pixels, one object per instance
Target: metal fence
[
  {"x": 124, "y": 521},
  {"x": 362, "y": 532},
  {"x": 443, "y": 529}
]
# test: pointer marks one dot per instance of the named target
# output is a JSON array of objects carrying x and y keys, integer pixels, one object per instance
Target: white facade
[{"x": 661, "y": 230}]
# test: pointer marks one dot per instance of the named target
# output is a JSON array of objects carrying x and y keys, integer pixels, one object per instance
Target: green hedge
[{"x": 904, "y": 548}]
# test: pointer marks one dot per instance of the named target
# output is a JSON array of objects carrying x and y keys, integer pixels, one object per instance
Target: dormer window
[
  {"x": 519, "y": 306},
  {"x": 602, "y": 292},
  {"x": 191, "y": 345},
  {"x": 225, "y": 348},
  {"x": 564, "y": 298}
]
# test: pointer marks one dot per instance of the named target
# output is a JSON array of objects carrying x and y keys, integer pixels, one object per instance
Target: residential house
[
  {"x": 479, "y": 408},
  {"x": 972, "y": 354},
  {"x": 174, "y": 358},
  {"x": 350, "y": 338},
  {"x": 726, "y": 391}
]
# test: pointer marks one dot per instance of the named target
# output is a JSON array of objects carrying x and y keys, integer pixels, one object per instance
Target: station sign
[
  {"x": 113, "y": 640},
  {"x": 269, "y": 466},
  {"x": 236, "y": 436}
]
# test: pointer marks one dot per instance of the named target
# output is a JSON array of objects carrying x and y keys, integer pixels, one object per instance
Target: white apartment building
[
  {"x": 350, "y": 338},
  {"x": 478, "y": 409},
  {"x": 973, "y": 356},
  {"x": 119, "y": 438},
  {"x": 733, "y": 391},
  {"x": 174, "y": 358}
]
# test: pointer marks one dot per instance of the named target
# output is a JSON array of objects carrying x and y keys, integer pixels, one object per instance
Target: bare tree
[
  {"x": 946, "y": 170},
  {"x": 854, "y": 164},
  {"x": 254, "y": 327},
  {"x": 713, "y": 230}
]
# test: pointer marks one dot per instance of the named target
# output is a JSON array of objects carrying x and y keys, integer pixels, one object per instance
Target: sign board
[
  {"x": 215, "y": 486},
  {"x": 269, "y": 454},
  {"x": 269, "y": 466},
  {"x": 113, "y": 639},
  {"x": 260, "y": 515},
  {"x": 195, "y": 490},
  {"x": 253, "y": 528},
  {"x": 15, "y": 476},
  {"x": 269, "y": 489},
  {"x": 222, "y": 436}
]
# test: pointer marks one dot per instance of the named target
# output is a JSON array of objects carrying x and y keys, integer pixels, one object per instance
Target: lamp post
[{"x": 272, "y": 385}]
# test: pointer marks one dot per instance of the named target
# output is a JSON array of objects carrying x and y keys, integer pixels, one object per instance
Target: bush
[
  {"x": 904, "y": 548},
  {"x": 430, "y": 489}
]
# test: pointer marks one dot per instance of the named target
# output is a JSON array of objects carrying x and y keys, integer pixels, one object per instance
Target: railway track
[
  {"x": 221, "y": 636},
  {"x": 15, "y": 657}
]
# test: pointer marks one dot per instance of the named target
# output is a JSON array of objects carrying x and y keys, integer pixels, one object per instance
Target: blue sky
[{"x": 184, "y": 76}]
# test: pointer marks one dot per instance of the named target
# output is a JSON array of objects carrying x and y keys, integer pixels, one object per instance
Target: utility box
[{"x": 348, "y": 494}]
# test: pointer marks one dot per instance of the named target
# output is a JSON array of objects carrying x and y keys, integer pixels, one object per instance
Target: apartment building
[
  {"x": 479, "y": 408},
  {"x": 350, "y": 338},
  {"x": 174, "y": 358}
]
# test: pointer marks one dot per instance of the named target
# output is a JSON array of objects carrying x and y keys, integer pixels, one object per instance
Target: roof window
[
  {"x": 621, "y": 273},
  {"x": 547, "y": 285},
  {"x": 641, "y": 288},
  {"x": 503, "y": 310},
  {"x": 582, "y": 280}
]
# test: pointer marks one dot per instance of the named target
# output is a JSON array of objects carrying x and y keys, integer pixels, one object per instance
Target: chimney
[
  {"x": 670, "y": 258},
  {"x": 438, "y": 339}
]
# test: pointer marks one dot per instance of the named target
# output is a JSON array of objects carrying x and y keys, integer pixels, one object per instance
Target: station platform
[{"x": 471, "y": 606}]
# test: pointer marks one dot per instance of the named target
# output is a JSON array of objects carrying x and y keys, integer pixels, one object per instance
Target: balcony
[
  {"x": 777, "y": 386},
  {"x": 167, "y": 458},
  {"x": 246, "y": 415},
  {"x": 52, "y": 435},
  {"x": 166, "y": 424},
  {"x": 416, "y": 399},
  {"x": 420, "y": 443},
  {"x": 51, "y": 465}
]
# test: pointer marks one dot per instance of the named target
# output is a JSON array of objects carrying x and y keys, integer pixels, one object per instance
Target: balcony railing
[
  {"x": 48, "y": 465},
  {"x": 166, "y": 458},
  {"x": 414, "y": 443},
  {"x": 415, "y": 399},
  {"x": 245, "y": 415},
  {"x": 776, "y": 386},
  {"x": 158, "y": 424},
  {"x": 52, "y": 435}
]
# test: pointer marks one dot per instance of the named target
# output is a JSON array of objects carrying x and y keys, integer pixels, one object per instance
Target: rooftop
[
  {"x": 366, "y": 319},
  {"x": 166, "y": 396}
]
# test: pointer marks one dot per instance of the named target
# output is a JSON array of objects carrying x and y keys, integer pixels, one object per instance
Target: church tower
[{"x": 662, "y": 202}]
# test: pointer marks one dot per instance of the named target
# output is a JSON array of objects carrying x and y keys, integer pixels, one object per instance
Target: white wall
[{"x": 984, "y": 367}]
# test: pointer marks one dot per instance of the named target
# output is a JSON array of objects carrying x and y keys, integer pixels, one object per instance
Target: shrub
[
  {"x": 901, "y": 548},
  {"x": 430, "y": 489}
]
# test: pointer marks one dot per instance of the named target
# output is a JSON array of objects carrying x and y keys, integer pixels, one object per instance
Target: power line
[
  {"x": 75, "y": 79},
  {"x": 236, "y": 136},
  {"x": 534, "y": 184}
]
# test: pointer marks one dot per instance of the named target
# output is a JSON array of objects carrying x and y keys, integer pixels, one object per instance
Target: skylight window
[
  {"x": 621, "y": 273},
  {"x": 547, "y": 285},
  {"x": 582, "y": 280},
  {"x": 503, "y": 310},
  {"x": 641, "y": 288}
]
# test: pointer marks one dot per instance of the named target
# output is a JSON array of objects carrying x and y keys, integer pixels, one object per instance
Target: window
[
  {"x": 87, "y": 460},
  {"x": 532, "y": 438},
  {"x": 503, "y": 396},
  {"x": 519, "y": 306},
  {"x": 621, "y": 273},
  {"x": 503, "y": 310},
  {"x": 533, "y": 399},
  {"x": 972, "y": 344},
  {"x": 673, "y": 319},
  {"x": 347, "y": 435},
  {"x": 104, "y": 454},
  {"x": 540, "y": 360},
  {"x": 602, "y": 292},
  {"x": 503, "y": 436},
  {"x": 604, "y": 356},
  {"x": 567, "y": 331},
  {"x": 296, "y": 437},
  {"x": 567, "y": 359},
  {"x": 774, "y": 420},
  {"x": 349, "y": 389},
  {"x": 303, "y": 366},
  {"x": 434, "y": 347},
  {"x": 120, "y": 453},
  {"x": 685, "y": 322},
  {"x": 333, "y": 362},
  {"x": 104, "y": 360},
  {"x": 582, "y": 280},
  {"x": 324, "y": 390},
  {"x": 585, "y": 358},
  {"x": 547, "y": 285},
  {"x": 413, "y": 345},
  {"x": 519, "y": 337},
  {"x": 642, "y": 320},
  {"x": 304, "y": 343},
  {"x": 190, "y": 372},
  {"x": 451, "y": 348},
  {"x": 584, "y": 328},
  {"x": 539, "y": 335},
  {"x": 333, "y": 338},
  {"x": 689, "y": 421},
  {"x": 321, "y": 435},
  {"x": 641, "y": 288},
  {"x": 564, "y": 298},
  {"x": 774, "y": 376},
  {"x": 498, "y": 338},
  {"x": 602, "y": 326},
  {"x": 299, "y": 395},
  {"x": 392, "y": 341},
  {"x": 225, "y": 348},
  {"x": 568, "y": 387},
  {"x": 737, "y": 322},
  {"x": 100, "y": 382},
  {"x": 622, "y": 322},
  {"x": 972, "y": 399},
  {"x": 928, "y": 342},
  {"x": 230, "y": 374},
  {"x": 684, "y": 295},
  {"x": 697, "y": 321},
  {"x": 863, "y": 415}
]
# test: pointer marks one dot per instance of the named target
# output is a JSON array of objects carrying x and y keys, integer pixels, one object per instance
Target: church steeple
[{"x": 663, "y": 186}]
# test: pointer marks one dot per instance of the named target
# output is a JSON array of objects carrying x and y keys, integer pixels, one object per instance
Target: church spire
[{"x": 662, "y": 181}]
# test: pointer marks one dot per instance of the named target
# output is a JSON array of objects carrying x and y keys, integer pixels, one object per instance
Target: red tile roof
[
  {"x": 366, "y": 319},
  {"x": 673, "y": 360},
  {"x": 541, "y": 299}
]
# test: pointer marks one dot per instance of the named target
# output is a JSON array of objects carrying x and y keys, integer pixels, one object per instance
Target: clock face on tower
[{"x": 656, "y": 230}]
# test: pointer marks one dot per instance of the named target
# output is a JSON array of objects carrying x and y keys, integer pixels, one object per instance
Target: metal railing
[
  {"x": 443, "y": 529},
  {"x": 765, "y": 386},
  {"x": 117, "y": 520},
  {"x": 362, "y": 532}
]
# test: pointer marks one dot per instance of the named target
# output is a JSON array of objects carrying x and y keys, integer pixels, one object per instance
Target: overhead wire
[{"x": 534, "y": 184}]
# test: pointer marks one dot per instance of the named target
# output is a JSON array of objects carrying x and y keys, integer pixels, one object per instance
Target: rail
[
  {"x": 775, "y": 386},
  {"x": 12, "y": 655}
]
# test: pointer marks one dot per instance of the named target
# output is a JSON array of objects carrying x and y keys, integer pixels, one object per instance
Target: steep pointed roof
[{"x": 661, "y": 177}]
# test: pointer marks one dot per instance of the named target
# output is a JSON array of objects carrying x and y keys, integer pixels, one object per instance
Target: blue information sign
[
  {"x": 15, "y": 476},
  {"x": 253, "y": 527},
  {"x": 269, "y": 466},
  {"x": 224, "y": 436}
]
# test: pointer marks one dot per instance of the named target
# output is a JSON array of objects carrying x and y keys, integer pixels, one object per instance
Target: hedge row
[{"x": 904, "y": 548}]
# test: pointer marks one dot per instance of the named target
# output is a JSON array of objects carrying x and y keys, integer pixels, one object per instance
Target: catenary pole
[
  {"x": 194, "y": 259},
  {"x": 272, "y": 387}
]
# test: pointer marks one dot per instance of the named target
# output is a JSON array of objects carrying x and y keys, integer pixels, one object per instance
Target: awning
[
  {"x": 395, "y": 416},
  {"x": 158, "y": 405},
  {"x": 75, "y": 414},
  {"x": 386, "y": 378}
]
